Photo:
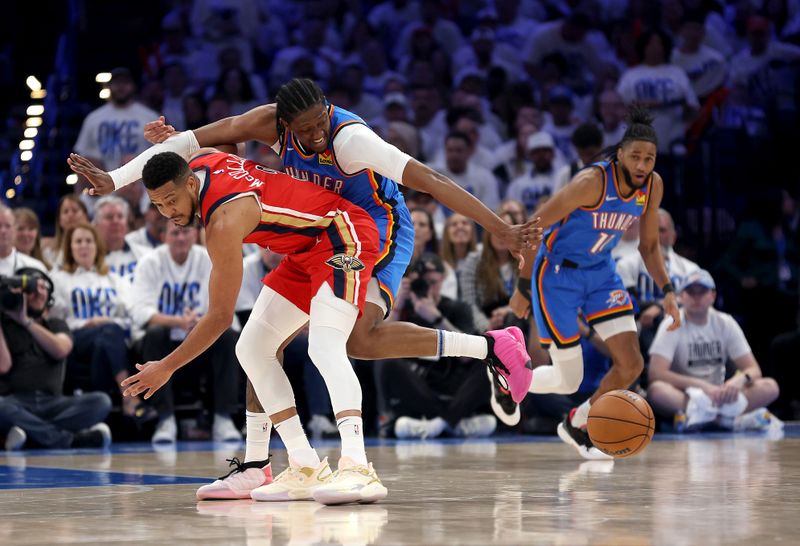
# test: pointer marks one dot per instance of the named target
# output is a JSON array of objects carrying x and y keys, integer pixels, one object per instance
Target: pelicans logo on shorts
[
  {"x": 345, "y": 263},
  {"x": 616, "y": 297}
]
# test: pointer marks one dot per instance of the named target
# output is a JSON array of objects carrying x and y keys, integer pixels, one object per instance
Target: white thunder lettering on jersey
[
  {"x": 327, "y": 182},
  {"x": 84, "y": 295},
  {"x": 612, "y": 220}
]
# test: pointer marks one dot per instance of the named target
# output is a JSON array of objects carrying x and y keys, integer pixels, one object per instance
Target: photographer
[
  {"x": 33, "y": 348},
  {"x": 431, "y": 398}
]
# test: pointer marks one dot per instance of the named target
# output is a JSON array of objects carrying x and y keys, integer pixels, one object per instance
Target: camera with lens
[
  {"x": 10, "y": 299},
  {"x": 419, "y": 287}
]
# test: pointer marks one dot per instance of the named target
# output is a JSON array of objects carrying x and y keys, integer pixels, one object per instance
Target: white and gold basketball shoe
[
  {"x": 352, "y": 482},
  {"x": 295, "y": 483}
]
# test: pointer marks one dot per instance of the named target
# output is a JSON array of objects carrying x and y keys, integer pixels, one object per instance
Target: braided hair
[
  {"x": 640, "y": 127},
  {"x": 295, "y": 97}
]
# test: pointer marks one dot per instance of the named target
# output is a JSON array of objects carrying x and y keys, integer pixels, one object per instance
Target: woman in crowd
[
  {"x": 95, "y": 305},
  {"x": 425, "y": 240},
  {"x": 70, "y": 212},
  {"x": 29, "y": 235},
  {"x": 458, "y": 240}
]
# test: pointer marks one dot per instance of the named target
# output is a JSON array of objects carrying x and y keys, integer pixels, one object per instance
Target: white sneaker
[
  {"x": 239, "y": 482},
  {"x": 223, "y": 430},
  {"x": 103, "y": 429},
  {"x": 477, "y": 426},
  {"x": 320, "y": 425},
  {"x": 352, "y": 482},
  {"x": 294, "y": 483},
  {"x": 166, "y": 431},
  {"x": 699, "y": 409},
  {"x": 408, "y": 427},
  {"x": 15, "y": 438},
  {"x": 758, "y": 419}
]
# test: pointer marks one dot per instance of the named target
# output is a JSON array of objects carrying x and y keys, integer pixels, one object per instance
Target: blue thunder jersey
[
  {"x": 587, "y": 236},
  {"x": 378, "y": 195}
]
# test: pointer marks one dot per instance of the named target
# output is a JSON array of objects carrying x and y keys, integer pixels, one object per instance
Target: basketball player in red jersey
[{"x": 331, "y": 246}]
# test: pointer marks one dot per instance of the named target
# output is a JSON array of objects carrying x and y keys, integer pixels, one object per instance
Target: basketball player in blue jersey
[
  {"x": 574, "y": 271},
  {"x": 331, "y": 147}
]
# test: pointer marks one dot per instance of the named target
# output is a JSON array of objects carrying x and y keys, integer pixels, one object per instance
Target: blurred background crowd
[{"x": 509, "y": 98}]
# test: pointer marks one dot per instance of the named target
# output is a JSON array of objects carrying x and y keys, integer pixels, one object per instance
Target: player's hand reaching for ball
[
  {"x": 101, "y": 181},
  {"x": 671, "y": 309},
  {"x": 151, "y": 377},
  {"x": 156, "y": 132}
]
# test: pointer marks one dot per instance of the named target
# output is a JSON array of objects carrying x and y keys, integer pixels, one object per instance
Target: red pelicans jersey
[{"x": 326, "y": 238}]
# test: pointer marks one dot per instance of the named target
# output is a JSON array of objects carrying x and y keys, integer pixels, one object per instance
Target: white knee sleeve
[
  {"x": 330, "y": 325},
  {"x": 619, "y": 325},
  {"x": 564, "y": 376},
  {"x": 272, "y": 321}
]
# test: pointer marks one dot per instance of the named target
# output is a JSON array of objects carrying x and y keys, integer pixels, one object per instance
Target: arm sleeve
[
  {"x": 184, "y": 144},
  {"x": 145, "y": 286},
  {"x": 664, "y": 343},
  {"x": 735, "y": 341},
  {"x": 357, "y": 147}
]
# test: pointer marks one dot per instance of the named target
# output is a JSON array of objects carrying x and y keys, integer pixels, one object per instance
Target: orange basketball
[{"x": 621, "y": 423}]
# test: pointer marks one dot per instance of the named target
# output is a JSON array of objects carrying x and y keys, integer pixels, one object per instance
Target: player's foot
[
  {"x": 294, "y": 483},
  {"x": 15, "y": 438},
  {"x": 579, "y": 439},
  {"x": 166, "y": 431},
  {"x": 509, "y": 361},
  {"x": 239, "y": 482},
  {"x": 477, "y": 426},
  {"x": 352, "y": 482},
  {"x": 502, "y": 404}
]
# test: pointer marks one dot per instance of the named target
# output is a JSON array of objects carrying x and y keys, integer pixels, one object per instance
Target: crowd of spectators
[{"x": 509, "y": 98}]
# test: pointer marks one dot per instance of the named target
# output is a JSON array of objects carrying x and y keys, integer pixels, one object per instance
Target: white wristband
[{"x": 184, "y": 144}]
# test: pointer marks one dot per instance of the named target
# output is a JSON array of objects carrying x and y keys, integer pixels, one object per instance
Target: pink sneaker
[
  {"x": 508, "y": 360},
  {"x": 239, "y": 482}
]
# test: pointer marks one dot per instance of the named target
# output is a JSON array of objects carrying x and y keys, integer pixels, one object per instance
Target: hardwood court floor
[{"x": 710, "y": 489}]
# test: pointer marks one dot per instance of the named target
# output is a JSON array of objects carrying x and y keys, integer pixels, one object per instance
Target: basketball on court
[{"x": 621, "y": 423}]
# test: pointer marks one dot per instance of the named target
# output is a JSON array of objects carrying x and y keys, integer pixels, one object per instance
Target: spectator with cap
[
  {"x": 540, "y": 181},
  {"x": 395, "y": 107},
  {"x": 477, "y": 180},
  {"x": 687, "y": 366},
  {"x": 114, "y": 133},
  {"x": 588, "y": 143}
]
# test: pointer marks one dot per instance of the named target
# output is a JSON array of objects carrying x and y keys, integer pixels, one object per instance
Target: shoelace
[{"x": 239, "y": 467}]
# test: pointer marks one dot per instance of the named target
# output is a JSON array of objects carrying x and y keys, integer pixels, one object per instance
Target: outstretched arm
[
  {"x": 650, "y": 249},
  {"x": 258, "y": 124},
  {"x": 231, "y": 223}
]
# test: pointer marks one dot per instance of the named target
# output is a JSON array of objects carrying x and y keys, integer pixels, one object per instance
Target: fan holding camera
[
  {"x": 430, "y": 399},
  {"x": 33, "y": 349}
]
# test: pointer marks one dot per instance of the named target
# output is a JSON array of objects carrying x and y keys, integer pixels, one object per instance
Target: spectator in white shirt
[
  {"x": 564, "y": 122},
  {"x": 28, "y": 240},
  {"x": 151, "y": 234},
  {"x": 96, "y": 306},
  {"x": 115, "y": 132},
  {"x": 540, "y": 181},
  {"x": 706, "y": 68},
  {"x": 458, "y": 166},
  {"x": 10, "y": 258},
  {"x": 111, "y": 218},
  {"x": 687, "y": 365},
  {"x": 611, "y": 111},
  {"x": 662, "y": 87},
  {"x": 171, "y": 287},
  {"x": 468, "y": 121},
  {"x": 70, "y": 212}
]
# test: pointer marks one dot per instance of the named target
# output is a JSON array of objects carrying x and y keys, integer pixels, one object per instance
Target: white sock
[
  {"x": 581, "y": 415},
  {"x": 259, "y": 427},
  {"x": 351, "y": 430},
  {"x": 296, "y": 442},
  {"x": 458, "y": 344}
]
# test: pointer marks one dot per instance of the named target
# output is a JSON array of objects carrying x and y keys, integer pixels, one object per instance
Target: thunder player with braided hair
[
  {"x": 574, "y": 271},
  {"x": 321, "y": 143}
]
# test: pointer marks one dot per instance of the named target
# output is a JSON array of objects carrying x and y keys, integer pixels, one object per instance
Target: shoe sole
[
  {"x": 367, "y": 495},
  {"x": 283, "y": 496},
  {"x": 567, "y": 439},
  {"x": 223, "y": 495},
  {"x": 497, "y": 409}
]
